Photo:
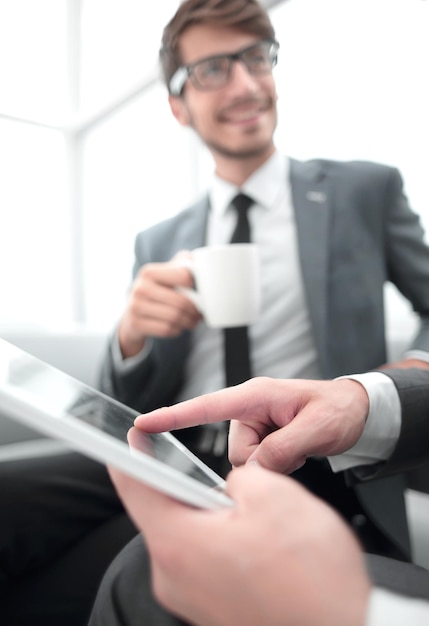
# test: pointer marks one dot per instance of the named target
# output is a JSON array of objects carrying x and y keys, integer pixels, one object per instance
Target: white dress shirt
[{"x": 281, "y": 340}]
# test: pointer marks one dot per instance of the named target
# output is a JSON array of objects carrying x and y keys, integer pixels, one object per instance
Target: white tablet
[{"x": 54, "y": 403}]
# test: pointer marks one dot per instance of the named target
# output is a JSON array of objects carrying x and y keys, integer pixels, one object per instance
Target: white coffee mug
[{"x": 227, "y": 283}]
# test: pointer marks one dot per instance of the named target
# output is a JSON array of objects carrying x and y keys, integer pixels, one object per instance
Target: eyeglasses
[{"x": 214, "y": 72}]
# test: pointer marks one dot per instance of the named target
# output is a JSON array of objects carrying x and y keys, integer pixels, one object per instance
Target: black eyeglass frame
[{"x": 181, "y": 75}]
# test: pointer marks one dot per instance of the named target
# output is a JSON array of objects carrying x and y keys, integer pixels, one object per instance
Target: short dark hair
[{"x": 248, "y": 16}]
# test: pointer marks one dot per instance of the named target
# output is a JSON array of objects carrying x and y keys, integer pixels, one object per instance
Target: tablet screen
[{"x": 59, "y": 405}]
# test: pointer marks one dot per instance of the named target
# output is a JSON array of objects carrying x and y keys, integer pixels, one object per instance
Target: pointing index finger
[{"x": 219, "y": 406}]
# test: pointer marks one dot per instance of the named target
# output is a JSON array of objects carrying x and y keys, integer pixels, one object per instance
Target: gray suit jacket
[
  {"x": 355, "y": 232},
  {"x": 412, "y": 447}
]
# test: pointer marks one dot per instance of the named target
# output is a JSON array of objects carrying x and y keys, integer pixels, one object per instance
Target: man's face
[{"x": 238, "y": 119}]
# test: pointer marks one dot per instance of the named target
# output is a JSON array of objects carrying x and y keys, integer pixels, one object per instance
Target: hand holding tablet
[{"x": 54, "y": 403}]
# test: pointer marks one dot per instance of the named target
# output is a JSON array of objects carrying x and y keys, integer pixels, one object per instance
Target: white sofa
[{"x": 77, "y": 352}]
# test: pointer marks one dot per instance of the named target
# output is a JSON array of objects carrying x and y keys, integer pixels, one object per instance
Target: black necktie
[
  {"x": 236, "y": 342},
  {"x": 214, "y": 437}
]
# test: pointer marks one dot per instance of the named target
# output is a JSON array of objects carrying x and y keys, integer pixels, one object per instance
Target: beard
[
  {"x": 239, "y": 154},
  {"x": 250, "y": 148}
]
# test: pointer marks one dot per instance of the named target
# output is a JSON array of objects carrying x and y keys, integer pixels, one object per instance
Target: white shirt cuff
[
  {"x": 382, "y": 427},
  {"x": 122, "y": 365},
  {"x": 390, "y": 609}
]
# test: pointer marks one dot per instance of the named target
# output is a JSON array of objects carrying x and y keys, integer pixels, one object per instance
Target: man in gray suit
[
  {"x": 331, "y": 235},
  {"x": 301, "y": 564}
]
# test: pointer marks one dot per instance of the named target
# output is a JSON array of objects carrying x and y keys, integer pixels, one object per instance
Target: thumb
[{"x": 287, "y": 449}]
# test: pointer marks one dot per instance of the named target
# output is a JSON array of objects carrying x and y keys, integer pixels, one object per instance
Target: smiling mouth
[{"x": 245, "y": 112}]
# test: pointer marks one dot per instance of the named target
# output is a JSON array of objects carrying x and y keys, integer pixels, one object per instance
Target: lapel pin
[{"x": 316, "y": 196}]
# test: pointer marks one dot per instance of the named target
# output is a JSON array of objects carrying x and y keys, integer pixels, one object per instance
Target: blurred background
[{"x": 90, "y": 154}]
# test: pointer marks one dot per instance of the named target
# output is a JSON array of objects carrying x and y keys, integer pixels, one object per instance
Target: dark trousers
[
  {"x": 318, "y": 477},
  {"x": 125, "y": 598},
  {"x": 61, "y": 524}
]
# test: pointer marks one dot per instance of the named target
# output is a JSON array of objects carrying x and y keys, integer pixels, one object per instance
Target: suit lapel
[
  {"x": 194, "y": 226},
  {"x": 312, "y": 202}
]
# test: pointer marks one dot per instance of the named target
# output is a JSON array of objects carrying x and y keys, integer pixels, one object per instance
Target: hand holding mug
[{"x": 155, "y": 307}]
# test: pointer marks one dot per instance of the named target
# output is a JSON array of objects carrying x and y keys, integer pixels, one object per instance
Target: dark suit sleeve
[
  {"x": 128, "y": 386},
  {"x": 412, "y": 448}
]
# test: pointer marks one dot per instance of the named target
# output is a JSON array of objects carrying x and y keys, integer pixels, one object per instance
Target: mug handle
[{"x": 192, "y": 294}]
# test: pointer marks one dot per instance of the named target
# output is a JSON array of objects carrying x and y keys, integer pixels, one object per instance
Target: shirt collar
[{"x": 263, "y": 185}]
